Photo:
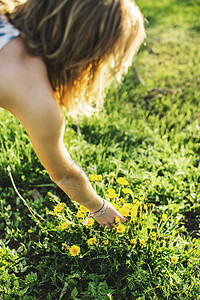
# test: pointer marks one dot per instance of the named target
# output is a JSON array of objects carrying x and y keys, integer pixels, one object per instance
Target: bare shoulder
[{"x": 25, "y": 89}]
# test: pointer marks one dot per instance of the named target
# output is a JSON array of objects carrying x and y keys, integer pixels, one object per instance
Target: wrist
[
  {"x": 101, "y": 211},
  {"x": 98, "y": 213},
  {"x": 95, "y": 205}
]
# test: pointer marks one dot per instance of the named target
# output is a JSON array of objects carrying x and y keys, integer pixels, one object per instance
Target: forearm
[
  {"x": 76, "y": 185},
  {"x": 47, "y": 140}
]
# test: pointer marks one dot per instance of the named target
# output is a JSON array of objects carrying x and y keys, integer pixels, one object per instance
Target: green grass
[{"x": 149, "y": 133}]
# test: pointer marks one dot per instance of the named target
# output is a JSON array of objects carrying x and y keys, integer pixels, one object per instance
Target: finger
[{"x": 122, "y": 219}]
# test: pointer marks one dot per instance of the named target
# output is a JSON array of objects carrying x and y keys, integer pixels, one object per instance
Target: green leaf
[{"x": 74, "y": 293}]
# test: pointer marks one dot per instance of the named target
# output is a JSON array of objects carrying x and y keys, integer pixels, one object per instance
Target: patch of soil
[{"x": 192, "y": 223}]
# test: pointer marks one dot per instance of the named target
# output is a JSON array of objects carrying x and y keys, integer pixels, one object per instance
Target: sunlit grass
[{"x": 149, "y": 134}]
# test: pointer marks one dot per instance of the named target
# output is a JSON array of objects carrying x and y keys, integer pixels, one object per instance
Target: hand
[{"x": 108, "y": 218}]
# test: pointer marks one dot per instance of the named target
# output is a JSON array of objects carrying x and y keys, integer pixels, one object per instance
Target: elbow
[{"x": 71, "y": 176}]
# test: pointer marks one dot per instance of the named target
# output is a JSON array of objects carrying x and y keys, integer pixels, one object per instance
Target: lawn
[{"x": 148, "y": 133}]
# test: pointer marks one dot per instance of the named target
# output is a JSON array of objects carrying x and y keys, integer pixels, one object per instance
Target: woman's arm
[
  {"x": 46, "y": 134},
  {"x": 32, "y": 101}
]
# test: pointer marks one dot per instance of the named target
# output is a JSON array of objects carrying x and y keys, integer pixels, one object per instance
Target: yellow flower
[
  {"x": 122, "y": 200},
  {"x": 124, "y": 211},
  {"x": 133, "y": 241},
  {"x": 106, "y": 242},
  {"x": 90, "y": 222},
  {"x": 111, "y": 193},
  {"x": 121, "y": 228},
  {"x": 99, "y": 177},
  {"x": 79, "y": 214},
  {"x": 112, "y": 175},
  {"x": 174, "y": 259},
  {"x": 128, "y": 205},
  {"x": 133, "y": 213},
  {"x": 127, "y": 191},
  {"x": 122, "y": 181},
  {"x": 117, "y": 220},
  {"x": 134, "y": 210},
  {"x": 74, "y": 250},
  {"x": 83, "y": 209},
  {"x": 164, "y": 217},
  {"x": 92, "y": 241},
  {"x": 115, "y": 205},
  {"x": 94, "y": 177},
  {"x": 153, "y": 236},
  {"x": 110, "y": 190},
  {"x": 64, "y": 245},
  {"x": 136, "y": 202},
  {"x": 65, "y": 225},
  {"x": 59, "y": 207},
  {"x": 142, "y": 241}
]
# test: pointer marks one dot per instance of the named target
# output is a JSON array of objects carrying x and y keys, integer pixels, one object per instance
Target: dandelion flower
[
  {"x": 127, "y": 191},
  {"x": 133, "y": 241},
  {"x": 122, "y": 181},
  {"x": 142, "y": 241},
  {"x": 122, "y": 200},
  {"x": 174, "y": 259},
  {"x": 128, "y": 205},
  {"x": 65, "y": 225},
  {"x": 99, "y": 177},
  {"x": 117, "y": 220},
  {"x": 92, "y": 241},
  {"x": 111, "y": 193},
  {"x": 110, "y": 190},
  {"x": 115, "y": 205},
  {"x": 134, "y": 210},
  {"x": 94, "y": 177},
  {"x": 79, "y": 214},
  {"x": 83, "y": 209},
  {"x": 121, "y": 228},
  {"x": 90, "y": 222},
  {"x": 59, "y": 207},
  {"x": 106, "y": 242},
  {"x": 164, "y": 217},
  {"x": 133, "y": 214},
  {"x": 153, "y": 236},
  {"x": 74, "y": 250},
  {"x": 124, "y": 211},
  {"x": 112, "y": 175}
]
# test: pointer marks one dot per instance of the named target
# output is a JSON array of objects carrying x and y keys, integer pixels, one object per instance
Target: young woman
[{"x": 64, "y": 52}]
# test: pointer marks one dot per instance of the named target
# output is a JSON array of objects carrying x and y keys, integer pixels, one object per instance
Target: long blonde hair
[{"x": 84, "y": 43}]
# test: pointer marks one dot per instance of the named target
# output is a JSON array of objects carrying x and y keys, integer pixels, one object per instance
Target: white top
[{"x": 7, "y": 31}]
